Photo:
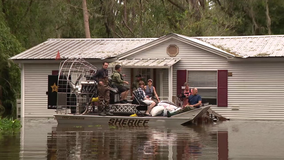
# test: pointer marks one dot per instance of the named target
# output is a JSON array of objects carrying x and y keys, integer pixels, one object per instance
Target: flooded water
[{"x": 43, "y": 139}]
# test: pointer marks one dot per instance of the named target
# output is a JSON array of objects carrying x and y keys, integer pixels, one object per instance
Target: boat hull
[{"x": 126, "y": 121}]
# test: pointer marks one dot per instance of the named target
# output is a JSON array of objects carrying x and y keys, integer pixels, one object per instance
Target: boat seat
[{"x": 141, "y": 105}]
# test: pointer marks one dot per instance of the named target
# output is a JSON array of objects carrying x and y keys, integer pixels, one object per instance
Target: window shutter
[
  {"x": 52, "y": 91},
  {"x": 222, "y": 88},
  {"x": 55, "y": 72},
  {"x": 181, "y": 78}
]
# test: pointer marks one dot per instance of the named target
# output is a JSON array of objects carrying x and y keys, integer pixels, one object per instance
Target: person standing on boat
[
  {"x": 103, "y": 88},
  {"x": 118, "y": 81},
  {"x": 150, "y": 92},
  {"x": 135, "y": 84},
  {"x": 194, "y": 100}
]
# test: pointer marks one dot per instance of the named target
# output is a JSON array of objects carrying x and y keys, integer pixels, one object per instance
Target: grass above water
[{"x": 8, "y": 125}]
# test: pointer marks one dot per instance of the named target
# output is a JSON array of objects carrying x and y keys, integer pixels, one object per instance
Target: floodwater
[{"x": 43, "y": 139}]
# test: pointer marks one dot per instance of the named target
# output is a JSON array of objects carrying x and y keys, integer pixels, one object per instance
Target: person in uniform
[
  {"x": 118, "y": 81},
  {"x": 135, "y": 84},
  {"x": 103, "y": 88}
]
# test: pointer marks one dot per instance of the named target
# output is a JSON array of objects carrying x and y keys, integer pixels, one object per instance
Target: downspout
[
  {"x": 22, "y": 90},
  {"x": 170, "y": 83}
]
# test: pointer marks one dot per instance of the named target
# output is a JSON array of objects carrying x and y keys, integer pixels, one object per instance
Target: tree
[
  {"x": 86, "y": 19},
  {"x": 9, "y": 72}
]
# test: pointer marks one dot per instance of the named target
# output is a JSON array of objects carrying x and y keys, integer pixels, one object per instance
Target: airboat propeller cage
[{"x": 76, "y": 84}]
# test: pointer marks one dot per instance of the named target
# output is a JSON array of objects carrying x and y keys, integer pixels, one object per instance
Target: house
[{"x": 242, "y": 77}]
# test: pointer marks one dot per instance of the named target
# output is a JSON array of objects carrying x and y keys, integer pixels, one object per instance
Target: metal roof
[
  {"x": 205, "y": 44},
  {"x": 249, "y": 46},
  {"x": 188, "y": 40},
  {"x": 99, "y": 48},
  {"x": 149, "y": 62}
]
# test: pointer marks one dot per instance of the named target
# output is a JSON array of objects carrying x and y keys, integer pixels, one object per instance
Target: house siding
[
  {"x": 256, "y": 89},
  {"x": 35, "y": 83}
]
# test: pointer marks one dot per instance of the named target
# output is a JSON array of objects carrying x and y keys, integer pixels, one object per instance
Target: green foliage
[
  {"x": 9, "y": 72},
  {"x": 8, "y": 125}
]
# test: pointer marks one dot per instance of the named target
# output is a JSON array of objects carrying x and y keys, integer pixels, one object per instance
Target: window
[{"x": 206, "y": 83}]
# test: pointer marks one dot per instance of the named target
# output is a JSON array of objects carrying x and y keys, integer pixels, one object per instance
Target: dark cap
[
  {"x": 150, "y": 80},
  {"x": 139, "y": 75}
]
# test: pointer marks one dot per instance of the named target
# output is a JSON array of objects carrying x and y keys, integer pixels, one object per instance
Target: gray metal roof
[
  {"x": 205, "y": 44},
  {"x": 101, "y": 48},
  {"x": 188, "y": 40},
  {"x": 249, "y": 46},
  {"x": 149, "y": 62},
  {"x": 82, "y": 48}
]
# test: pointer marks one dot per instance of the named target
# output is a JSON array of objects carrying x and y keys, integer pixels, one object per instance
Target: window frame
[{"x": 200, "y": 88}]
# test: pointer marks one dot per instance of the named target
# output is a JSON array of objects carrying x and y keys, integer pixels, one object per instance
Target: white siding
[
  {"x": 256, "y": 87},
  {"x": 127, "y": 72},
  {"x": 165, "y": 83},
  {"x": 162, "y": 88},
  {"x": 192, "y": 58},
  {"x": 36, "y": 86}
]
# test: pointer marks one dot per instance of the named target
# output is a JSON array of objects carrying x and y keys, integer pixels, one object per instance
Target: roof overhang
[
  {"x": 146, "y": 63},
  {"x": 53, "y": 61},
  {"x": 188, "y": 40}
]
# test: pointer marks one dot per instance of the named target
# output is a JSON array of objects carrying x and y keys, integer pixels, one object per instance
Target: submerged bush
[{"x": 9, "y": 125}]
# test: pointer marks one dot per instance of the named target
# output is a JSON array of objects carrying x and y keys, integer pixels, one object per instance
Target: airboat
[{"x": 77, "y": 102}]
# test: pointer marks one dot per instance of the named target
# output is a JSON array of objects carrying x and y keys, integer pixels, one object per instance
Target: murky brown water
[{"x": 43, "y": 139}]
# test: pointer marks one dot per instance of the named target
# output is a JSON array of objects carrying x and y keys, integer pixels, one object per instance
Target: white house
[{"x": 241, "y": 77}]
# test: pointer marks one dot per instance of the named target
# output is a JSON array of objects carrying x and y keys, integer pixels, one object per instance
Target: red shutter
[
  {"x": 55, "y": 72},
  {"x": 181, "y": 78},
  {"x": 222, "y": 88}
]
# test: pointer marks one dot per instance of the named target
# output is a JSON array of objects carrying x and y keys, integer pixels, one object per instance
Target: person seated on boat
[
  {"x": 186, "y": 94},
  {"x": 194, "y": 100},
  {"x": 118, "y": 82},
  {"x": 142, "y": 96},
  {"x": 150, "y": 92}
]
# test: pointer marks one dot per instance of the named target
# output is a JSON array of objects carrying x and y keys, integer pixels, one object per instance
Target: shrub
[{"x": 8, "y": 125}]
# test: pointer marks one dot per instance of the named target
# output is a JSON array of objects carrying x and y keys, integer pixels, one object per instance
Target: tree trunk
[
  {"x": 125, "y": 11},
  {"x": 268, "y": 19},
  {"x": 255, "y": 25},
  {"x": 86, "y": 19}
]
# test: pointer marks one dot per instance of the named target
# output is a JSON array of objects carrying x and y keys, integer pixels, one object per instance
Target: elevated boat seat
[{"x": 141, "y": 105}]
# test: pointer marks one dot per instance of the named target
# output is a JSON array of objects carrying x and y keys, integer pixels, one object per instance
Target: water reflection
[
  {"x": 107, "y": 142},
  {"x": 9, "y": 145},
  {"x": 43, "y": 139}
]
